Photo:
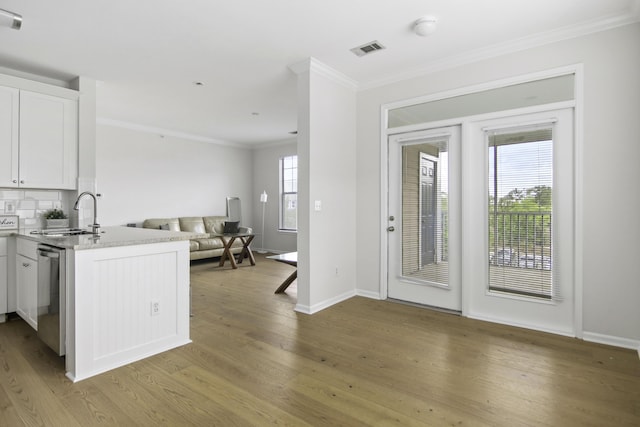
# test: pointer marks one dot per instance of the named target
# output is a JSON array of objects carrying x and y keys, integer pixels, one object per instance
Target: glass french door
[
  {"x": 518, "y": 220},
  {"x": 485, "y": 224},
  {"x": 424, "y": 218}
]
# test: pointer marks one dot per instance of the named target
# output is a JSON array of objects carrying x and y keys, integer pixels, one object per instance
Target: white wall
[
  {"x": 611, "y": 232},
  {"x": 326, "y": 160},
  {"x": 332, "y": 178},
  {"x": 266, "y": 176},
  {"x": 144, "y": 175}
]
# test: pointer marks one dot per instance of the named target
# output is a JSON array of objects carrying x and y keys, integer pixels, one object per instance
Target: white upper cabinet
[
  {"x": 9, "y": 120},
  {"x": 48, "y": 141},
  {"x": 38, "y": 140}
]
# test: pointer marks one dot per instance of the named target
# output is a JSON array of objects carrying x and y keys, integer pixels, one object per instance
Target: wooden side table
[
  {"x": 290, "y": 258},
  {"x": 227, "y": 240}
]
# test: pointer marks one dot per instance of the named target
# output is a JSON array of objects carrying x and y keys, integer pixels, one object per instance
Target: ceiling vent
[{"x": 368, "y": 48}]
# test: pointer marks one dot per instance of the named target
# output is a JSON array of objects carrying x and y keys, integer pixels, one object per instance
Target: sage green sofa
[{"x": 208, "y": 247}]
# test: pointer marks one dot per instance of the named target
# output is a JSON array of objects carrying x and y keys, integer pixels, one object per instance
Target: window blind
[
  {"x": 289, "y": 193},
  {"x": 520, "y": 206}
]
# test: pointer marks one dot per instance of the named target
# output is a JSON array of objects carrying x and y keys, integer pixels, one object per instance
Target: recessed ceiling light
[
  {"x": 293, "y": 132},
  {"x": 198, "y": 83},
  {"x": 255, "y": 114}
]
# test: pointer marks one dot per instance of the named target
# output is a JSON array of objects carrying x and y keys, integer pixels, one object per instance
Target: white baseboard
[
  {"x": 612, "y": 340},
  {"x": 324, "y": 304},
  {"x": 510, "y": 322},
  {"x": 304, "y": 309},
  {"x": 369, "y": 294}
]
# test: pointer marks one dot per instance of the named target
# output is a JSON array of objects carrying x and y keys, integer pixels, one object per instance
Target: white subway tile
[
  {"x": 26, "y": 204},
  {"x": 42, "y": 195},
  {"x": 28, "y": 213},
  {"x": 12, "y": 194}
]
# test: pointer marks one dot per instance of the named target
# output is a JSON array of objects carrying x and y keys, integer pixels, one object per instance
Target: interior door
[{"x": 424, "y": 218}]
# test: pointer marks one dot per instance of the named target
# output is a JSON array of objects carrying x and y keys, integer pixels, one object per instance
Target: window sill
[{"x": 280, "y": 230}]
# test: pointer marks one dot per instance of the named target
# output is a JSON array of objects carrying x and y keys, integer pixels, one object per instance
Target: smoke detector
[{"x": 425, "y": 26}]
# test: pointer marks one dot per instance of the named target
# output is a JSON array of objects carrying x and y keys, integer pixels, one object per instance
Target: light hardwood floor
[{"x": 254, "y": 361}]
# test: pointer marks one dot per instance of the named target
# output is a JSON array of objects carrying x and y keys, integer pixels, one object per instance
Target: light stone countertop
[{"x": 110, "y": 237}]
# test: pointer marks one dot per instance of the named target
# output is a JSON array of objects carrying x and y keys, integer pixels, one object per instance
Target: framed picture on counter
[{"x": 9, "y": 222}]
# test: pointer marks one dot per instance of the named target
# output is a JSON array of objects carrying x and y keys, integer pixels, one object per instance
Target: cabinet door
[
  {"x": 3, "y": 284},
  {"x": 48, "y": 141},
  {"x": 8, "y": 137},
  {"x": 26, "y": 290}
]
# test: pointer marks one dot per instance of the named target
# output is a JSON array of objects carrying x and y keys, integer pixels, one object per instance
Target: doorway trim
[{"x": 577, "y": 104}]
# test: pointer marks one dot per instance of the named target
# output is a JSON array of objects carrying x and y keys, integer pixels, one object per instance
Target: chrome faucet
[{"x": 95, "y": 227}]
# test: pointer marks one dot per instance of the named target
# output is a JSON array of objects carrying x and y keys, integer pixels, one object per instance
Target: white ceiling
[{"x": 147, "y": 54}]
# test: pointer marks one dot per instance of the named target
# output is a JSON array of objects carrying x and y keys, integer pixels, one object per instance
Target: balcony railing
[{"x": 520, "y": 239}]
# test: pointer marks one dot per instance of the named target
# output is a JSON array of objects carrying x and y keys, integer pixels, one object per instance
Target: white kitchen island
[{"x": 127, "y": 296}]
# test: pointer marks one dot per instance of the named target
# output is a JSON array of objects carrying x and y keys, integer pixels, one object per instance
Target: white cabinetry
[
  {"x": 27, "y": 281},
  {"x": 38, "y": 140},
  {"x": 9, "y": 121},
  {"x": 3, "y": 277}
]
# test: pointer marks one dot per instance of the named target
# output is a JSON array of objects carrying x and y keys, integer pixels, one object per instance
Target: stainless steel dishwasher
[{"x": 52, "y": 278}]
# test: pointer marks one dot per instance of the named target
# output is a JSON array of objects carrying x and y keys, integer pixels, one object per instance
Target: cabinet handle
[
  {"x": 22, "y": 181},
  {"x": 15, "y": 181},
  {"x": 26, "y": 264}
]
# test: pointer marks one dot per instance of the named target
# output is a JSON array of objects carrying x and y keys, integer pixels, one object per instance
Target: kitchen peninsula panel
[{"x": 125, "y": 304}]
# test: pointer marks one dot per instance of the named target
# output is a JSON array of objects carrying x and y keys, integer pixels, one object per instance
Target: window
[
  {"x": 425, "y": 194},
  {"x": 289, "y": 193},
  {"x": 520, "y": 212}
]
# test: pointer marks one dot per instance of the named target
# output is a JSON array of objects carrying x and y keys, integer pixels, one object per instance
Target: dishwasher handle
[{"x": 48, "y": 253}]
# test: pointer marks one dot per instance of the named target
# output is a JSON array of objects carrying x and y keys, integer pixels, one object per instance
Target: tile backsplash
[{"x": 29, "y": 205}]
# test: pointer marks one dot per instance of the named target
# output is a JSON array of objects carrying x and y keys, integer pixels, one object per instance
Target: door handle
[{"x": 391, "y": 228}]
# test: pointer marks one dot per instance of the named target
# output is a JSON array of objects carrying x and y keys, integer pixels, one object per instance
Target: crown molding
[
  {"x": 167, "y": 132},
  {"x": 272, "y": 144},
  {"x": 513, "y": 46},
  {"x": 313, "y": 65}
]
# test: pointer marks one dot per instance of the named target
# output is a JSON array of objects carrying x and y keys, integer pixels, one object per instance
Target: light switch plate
[{"x": 318, "y": 205}]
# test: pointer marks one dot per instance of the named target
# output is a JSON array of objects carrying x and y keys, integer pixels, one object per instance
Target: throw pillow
[{"x": 231, "y": 227}]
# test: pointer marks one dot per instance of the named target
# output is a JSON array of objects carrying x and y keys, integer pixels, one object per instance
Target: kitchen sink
[{"x": 57, "y": 232}]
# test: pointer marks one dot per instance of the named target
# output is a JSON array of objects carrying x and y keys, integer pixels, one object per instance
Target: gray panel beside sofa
[{"x": 199, "y": 248}]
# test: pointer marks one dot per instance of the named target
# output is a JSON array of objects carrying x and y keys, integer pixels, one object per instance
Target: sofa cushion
[
  {"x": 237, "y": 243},
  {"x": 193, "y": 224},
  {"x": 214, "y": 224},
  {"x": 194, "y": 245},
  {"x": 212, "y": 243},
  {"x": 162, "y": 223}
]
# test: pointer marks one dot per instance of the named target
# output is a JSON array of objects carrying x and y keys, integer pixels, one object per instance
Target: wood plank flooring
[{"x": 254, "y": 362}]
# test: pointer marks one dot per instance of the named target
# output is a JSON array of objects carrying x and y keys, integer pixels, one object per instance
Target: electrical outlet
[
  {"x": 10, "y": 207},
  {"x": 155, "y": 308}
]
